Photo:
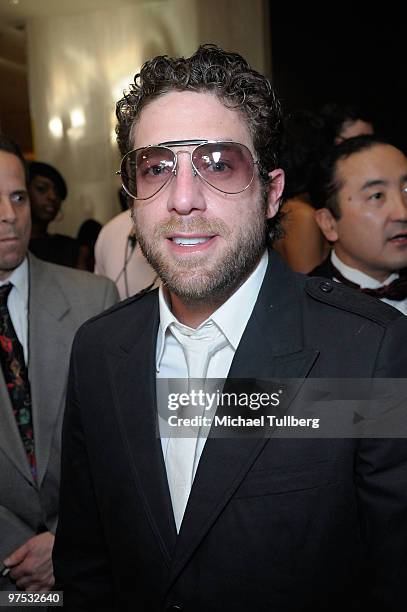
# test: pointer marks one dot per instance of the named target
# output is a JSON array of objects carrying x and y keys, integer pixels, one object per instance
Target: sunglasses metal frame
[{"x": 187, "y": 143}]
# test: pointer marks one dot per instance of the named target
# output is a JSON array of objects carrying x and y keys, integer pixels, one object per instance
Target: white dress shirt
[
  {"x": 17, "y": 303},
  {"x": 230, "y": 320},
  {"x": 367, "y": 282}
]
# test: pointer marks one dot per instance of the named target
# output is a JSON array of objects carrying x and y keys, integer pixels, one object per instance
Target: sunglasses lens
[
  {"x": 145, "y": 171},
  {"x": 226, "y": 166}
]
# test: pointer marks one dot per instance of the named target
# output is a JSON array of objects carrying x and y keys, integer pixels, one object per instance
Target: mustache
[{"x": 193, "y": 225}]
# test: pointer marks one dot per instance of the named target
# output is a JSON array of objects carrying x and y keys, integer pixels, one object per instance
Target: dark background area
[{"x": 328, "y": 57}]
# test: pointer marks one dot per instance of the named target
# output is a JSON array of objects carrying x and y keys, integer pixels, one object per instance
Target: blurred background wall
[{"x": 14, "y": 101}]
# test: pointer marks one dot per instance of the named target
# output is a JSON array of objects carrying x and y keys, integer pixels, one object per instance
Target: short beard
[{"x": 190, "y": 279}]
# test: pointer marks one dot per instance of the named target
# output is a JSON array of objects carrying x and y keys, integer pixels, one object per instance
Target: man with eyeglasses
[{"x": 152, "y": 520}]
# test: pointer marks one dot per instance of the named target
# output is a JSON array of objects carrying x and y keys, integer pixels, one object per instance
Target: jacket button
[
  {"x": 326, "y": 287},
  {"x": 174, "y": 608}
]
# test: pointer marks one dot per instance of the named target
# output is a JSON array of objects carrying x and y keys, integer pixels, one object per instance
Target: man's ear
[
  {"x": 327, "y": 224},
  {"x": 276, "y": 187}
]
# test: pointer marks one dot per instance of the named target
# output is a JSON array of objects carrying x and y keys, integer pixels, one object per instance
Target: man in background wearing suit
[
  {"x": 41, "y": 307},
  {"x": 151, "y": 521},
  {"x": 360, "y": 191}
]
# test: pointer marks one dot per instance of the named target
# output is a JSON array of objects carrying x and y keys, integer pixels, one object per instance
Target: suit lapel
[
  {"x": 271, "y": 347},
  {"x": 48, "y": 357},
  {"x": 132, "y": 372},
  {"x": 44, "y": 368}
]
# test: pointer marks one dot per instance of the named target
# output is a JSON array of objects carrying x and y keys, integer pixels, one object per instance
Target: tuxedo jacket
[
  {"x": 271, "y": 524},
  {"x": 60, "y": 300}
]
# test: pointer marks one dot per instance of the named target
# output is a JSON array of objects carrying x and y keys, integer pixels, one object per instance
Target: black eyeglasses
[{"x": 225, "y": 166}]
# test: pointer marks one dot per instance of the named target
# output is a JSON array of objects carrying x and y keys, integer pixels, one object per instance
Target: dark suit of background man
[
  {"x": 228, "y": 524},
  {"x": 41, "y": 307},
  {"x": 360, "y": 190}
]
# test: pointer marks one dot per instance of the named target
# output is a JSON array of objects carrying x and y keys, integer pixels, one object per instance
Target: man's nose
[
  {"x": 399, "y": 207},
  {"x": 7, "y": 212},
  {"x": 185, "y": 190}
]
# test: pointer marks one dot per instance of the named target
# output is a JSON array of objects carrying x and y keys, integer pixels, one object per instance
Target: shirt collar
[
  {"x": 19, "y": 279},
  {"x": 231, "y": 318},
  {"x": 360, "y": 278}
]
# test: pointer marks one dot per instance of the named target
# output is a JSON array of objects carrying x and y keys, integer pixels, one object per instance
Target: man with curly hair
[{"x": 151, "y": 520}]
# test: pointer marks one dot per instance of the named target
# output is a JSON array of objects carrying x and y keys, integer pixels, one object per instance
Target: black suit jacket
[{"x": 271, "y": 524}]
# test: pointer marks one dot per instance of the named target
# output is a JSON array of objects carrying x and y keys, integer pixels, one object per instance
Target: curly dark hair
[{"x": 231, "y": 79}]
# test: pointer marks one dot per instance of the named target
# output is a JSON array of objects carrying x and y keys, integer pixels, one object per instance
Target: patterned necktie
[
  {"x": 16, "y": 377},
  {"x": 396, "y": 290}
]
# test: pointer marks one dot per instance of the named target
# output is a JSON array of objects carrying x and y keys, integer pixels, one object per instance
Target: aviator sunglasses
[{"x": 225, "y": 166}]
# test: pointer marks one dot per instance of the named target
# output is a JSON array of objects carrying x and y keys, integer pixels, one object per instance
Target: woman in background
[{"x": 47, "y": 190}]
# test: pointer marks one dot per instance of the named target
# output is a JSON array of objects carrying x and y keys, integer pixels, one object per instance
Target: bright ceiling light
[
  {"x": 77, "y": 118},
  {"x": 56, "y": 127}
]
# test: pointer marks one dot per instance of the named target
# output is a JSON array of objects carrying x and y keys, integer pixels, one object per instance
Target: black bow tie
[{"x": 396, "y": 290}]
